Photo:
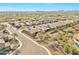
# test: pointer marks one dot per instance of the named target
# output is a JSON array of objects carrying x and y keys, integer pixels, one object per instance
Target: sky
[{"x": 38, "y": 6}]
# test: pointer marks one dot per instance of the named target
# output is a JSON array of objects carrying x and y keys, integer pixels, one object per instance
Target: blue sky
[{"x": 38, "y": 6}]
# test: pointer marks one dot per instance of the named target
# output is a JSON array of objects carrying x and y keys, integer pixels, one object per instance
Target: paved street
[{"x": 28, "y": 47}]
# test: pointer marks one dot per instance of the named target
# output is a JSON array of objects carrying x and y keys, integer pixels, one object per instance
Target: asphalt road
[{"x": 28, "y": 47}]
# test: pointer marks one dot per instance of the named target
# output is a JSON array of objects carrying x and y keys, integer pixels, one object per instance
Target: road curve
[{"x": 29, "y": 47}]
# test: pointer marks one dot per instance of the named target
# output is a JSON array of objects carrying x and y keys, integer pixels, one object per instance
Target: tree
[
  {"x": 14, "y": 35},
  {"x": 67, "y": 48},
  {"x": 70, "y": 30},
  {"x": 42, "y": 36},
  {"x": 74, "y": 51}
]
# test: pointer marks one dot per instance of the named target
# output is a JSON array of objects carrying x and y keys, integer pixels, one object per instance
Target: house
[
  {"x": 5, "y": 31},
  {"x": 2, "y": 43},
  {"x": 27, "y": 23},
  {"x": 33, "y": 31},
  {"x": 7, "y": 44},
  {"x": 22, "y": 24},
  {"x": 1, "y": 35},
  {"x": 44, "y": 28},
  {"x": 5, "y": 37},
  {"x": 17, "y": 25},
  {"x": 10, "y": 37},
  {"x": 76, "y": 37}
]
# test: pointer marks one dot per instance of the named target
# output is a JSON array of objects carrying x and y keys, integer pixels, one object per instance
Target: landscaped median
[
  {"x": 14, "y": 45},
  {"x": 17, "y": 51}
]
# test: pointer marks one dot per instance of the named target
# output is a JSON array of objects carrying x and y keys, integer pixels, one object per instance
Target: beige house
[
  {"x": 76, "y": 37},
  {"x": 7, "y": 44},
  {"x": 2, "y": 43}
]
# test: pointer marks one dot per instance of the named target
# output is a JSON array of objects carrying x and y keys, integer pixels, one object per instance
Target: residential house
[{"x": 2, "y": 43}]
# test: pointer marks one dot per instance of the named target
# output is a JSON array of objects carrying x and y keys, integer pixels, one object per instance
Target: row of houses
[
  {"x": 41, "y": 21},
  {"x": 6, "y": 41},
  {"x": 5, "y": 38},
  {"x": 42, "y": 25},
  {"x": 47, "y": 27},
  {"x": 28, "y": 23}
]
